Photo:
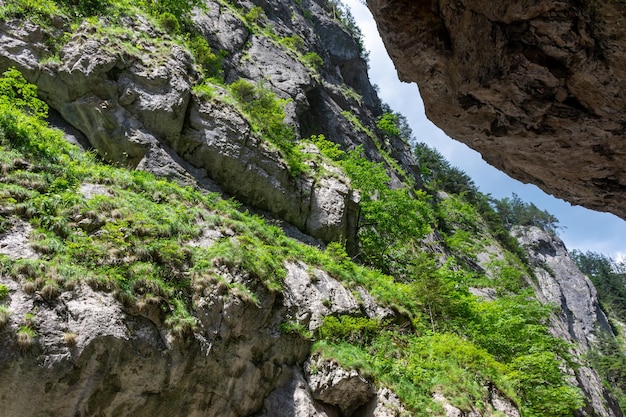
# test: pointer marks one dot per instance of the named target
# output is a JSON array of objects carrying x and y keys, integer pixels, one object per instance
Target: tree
[{"x": 515, "y": 212}]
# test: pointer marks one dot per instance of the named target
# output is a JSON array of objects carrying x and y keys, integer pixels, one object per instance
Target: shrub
[
  {"x": 388, "y": 124},
  {"x": 293, "y": 42},
  {"x": 255, "y": 15},
  {"x": 210, "y": 62},
  {"x": 313, "y": 60},
  {"x": 86, "y": 8},
  {"x": 169, "y": 22},
  {"x": 178, "y": 8},
  {"x": 16, "y": 92}
]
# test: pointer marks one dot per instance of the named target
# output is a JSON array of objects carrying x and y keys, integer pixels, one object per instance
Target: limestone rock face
[
  {"x": 537, "y": 87},
  {"x": 136, "y": 107},
  {"x": 331, "y": 384},
  {"x": 579, "y": 317},
  {"x": 123, "y": 364}
]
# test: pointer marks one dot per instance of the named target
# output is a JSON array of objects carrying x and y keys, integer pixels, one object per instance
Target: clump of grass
[
  {"x": 70, "y": 338},
  {"x": 50, "y": 289},
  {"x": 25, "y": 338},
  {"x": 5, "y": 315}
]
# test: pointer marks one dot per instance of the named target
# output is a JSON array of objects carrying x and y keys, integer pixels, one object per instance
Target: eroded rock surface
[
  {"x": 537, "y": 87},
  {"x": 579, "y": 317}
]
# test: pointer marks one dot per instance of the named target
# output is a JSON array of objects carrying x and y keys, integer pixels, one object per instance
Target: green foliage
[
  {"x": 4, "y": 291},
  {"x": 313, "y": 60},
  {"x": 210, "y": 62},
  {"x": 539, "y": 380},
  {"x": 609, "y": 278},
  {"x": 178, "y": 8},
  {"x": 293, "y": 42},
  {"x": 170, "y": 23},
  {"x": 438, "y": 174},
  {"x": 388, "y": 124},
  {"x": 354, "y": 330},
  {"x": 513, "y": 211},
  {"x": 86, "y": 8},
  {"x": 267, "y": 114},
  {"x": 512, "y": 326},
  {"x": 609, "y": 360},
  {"x": 15, "y": 91},
  {"x": 417, "y": 367},
  {"x": 255, "y": 15},
  {"x": 296, "y": 328},
  {"x": 391, "y": 220},
  {"x": 39, "y": 10}
]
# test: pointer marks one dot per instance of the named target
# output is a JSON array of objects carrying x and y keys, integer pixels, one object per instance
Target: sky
[{"x": 583, "y": 229}]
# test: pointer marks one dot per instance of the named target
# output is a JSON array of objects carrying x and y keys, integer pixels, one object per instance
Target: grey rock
[
  {"x": 313, "y": 294},
  {"x": 385, "y": 404},
  {"x": 14, "y": 242},
  {"x": 222, "y": 30},
  {"x": 559, "y": 282},
  {"x": 331, "y": 384},
  {"x": 294, "y": 399},
  {"x": 127, "y": 365}
]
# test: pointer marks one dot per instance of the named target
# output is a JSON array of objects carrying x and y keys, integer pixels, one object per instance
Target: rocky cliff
[
  {"x": 291, "y": 267},
  {"x": 537, "y": 87},
  {"x": 579, "y": 317}
]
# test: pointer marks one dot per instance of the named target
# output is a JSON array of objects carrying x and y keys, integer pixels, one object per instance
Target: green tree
[
  {"x": 515, "y": 212},
  {"x": 609, "y": 278}
]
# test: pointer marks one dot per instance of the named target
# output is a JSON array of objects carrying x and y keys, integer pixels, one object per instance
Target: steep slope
[
  {"x": 124, "y": 294},
  {"x": 537, "y": 87}
]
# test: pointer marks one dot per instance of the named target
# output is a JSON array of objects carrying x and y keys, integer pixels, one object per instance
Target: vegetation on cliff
[{"x": 141, "y": 238}]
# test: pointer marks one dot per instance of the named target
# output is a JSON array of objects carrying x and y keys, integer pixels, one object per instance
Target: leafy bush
[
  {"x": 210, "y": 62},
  {"x": 16, "y": 92},
  {"x": 178, "y": 8},
  {"x": 170, "y": 23},
  {"x": 439, "y": 174},
  {"x": 293, "y": 42},
  {"x": 313, "y": 60},
  {"x": 255, "y": 15},
  {"x": 354, "y": 330},
  {"x": 86, "y": 8},
  {"x": 388, "y": 124}
]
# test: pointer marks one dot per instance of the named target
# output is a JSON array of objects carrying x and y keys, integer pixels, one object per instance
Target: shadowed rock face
[{"x": 536, "y": 86}]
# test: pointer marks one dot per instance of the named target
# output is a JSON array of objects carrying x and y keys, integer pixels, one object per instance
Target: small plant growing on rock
[
  {"x": 50, "y": 290},
  {"x": 5, "y": 315},
  {"x": 169, "y": 22},
  {"x": 313, "y": 60},
  {"x": 29, "y": 286},
  {"x": 25, "y": 337},
  {"x": 255, "y": 15},
  {"x": 4, "y": 291},
  {"x": 29, "y": 320},
  {"x": 70, "y": 338}
]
